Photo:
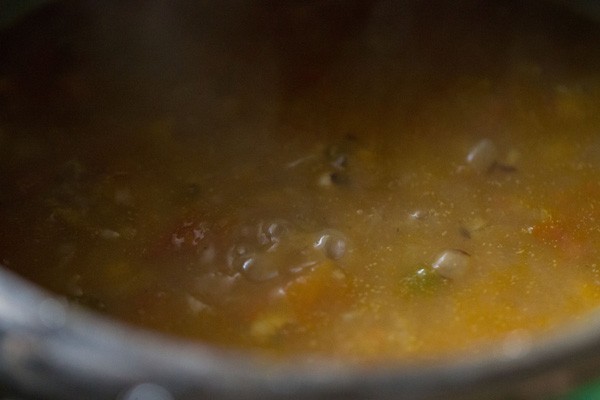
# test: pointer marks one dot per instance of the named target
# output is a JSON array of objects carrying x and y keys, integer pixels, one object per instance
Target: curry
[{"x": 389, "y": 208}]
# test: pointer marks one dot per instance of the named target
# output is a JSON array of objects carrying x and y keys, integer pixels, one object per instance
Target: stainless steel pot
[{"x": 50, "y": 349}]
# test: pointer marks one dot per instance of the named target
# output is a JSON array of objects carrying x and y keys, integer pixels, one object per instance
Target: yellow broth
[{"x": 403, "y": 202}]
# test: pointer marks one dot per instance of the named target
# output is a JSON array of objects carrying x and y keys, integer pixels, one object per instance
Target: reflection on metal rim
[{"x": 96, "y": 358}]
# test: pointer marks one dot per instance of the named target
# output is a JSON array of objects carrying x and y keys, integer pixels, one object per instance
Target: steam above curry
[{"x": 403, "y": 200}]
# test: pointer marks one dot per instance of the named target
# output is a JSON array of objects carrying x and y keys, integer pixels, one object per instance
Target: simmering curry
[{"x": 429, "y": 185}]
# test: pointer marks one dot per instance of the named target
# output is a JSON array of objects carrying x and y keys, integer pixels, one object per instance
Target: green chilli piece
[{"x": 424, "y": 280}]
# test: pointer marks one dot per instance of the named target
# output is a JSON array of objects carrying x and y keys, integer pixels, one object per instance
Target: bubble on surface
[
  {"x": 270, "y": 233},
  {"x": 238, "y": 255},
  {"x": 333, "y": 243},
  {"x": 452, "y": 264},
  {"x": 259, "y": 269}
]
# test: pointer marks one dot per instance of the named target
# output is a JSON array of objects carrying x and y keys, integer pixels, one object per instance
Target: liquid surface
[{"x": 405, "y": 190}]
